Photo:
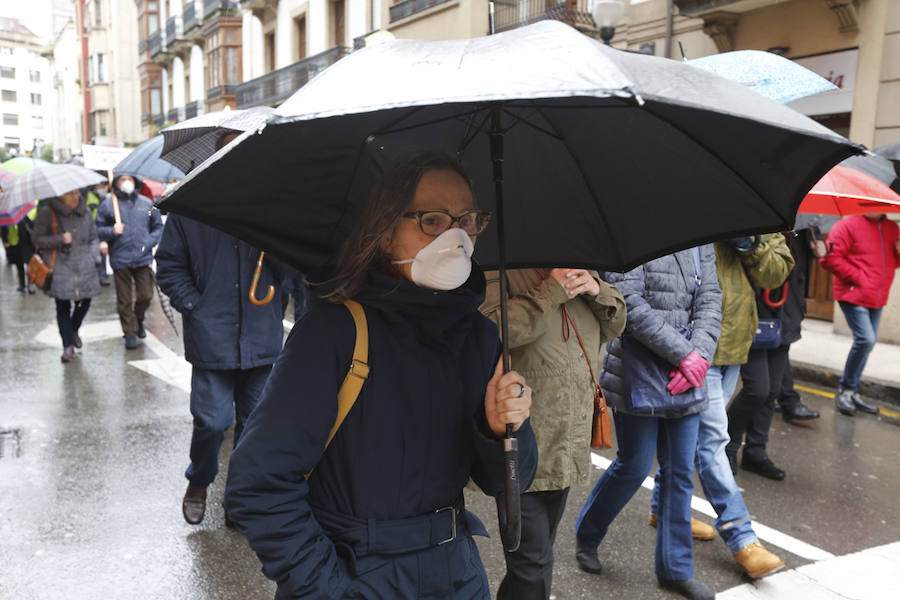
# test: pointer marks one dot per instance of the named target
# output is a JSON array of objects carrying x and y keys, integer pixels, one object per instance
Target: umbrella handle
[{"x": 255, "y": 282}]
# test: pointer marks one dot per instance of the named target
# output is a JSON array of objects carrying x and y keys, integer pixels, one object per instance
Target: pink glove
[
  {"x": 678, "y": 384},
  {"x": 694, "y": 368}
]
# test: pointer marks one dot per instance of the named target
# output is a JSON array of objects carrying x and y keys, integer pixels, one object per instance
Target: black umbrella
[{"x": 607, "y": 159}]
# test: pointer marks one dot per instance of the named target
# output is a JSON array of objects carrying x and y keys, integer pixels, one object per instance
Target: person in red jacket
[{"x": 864, "y": 254}]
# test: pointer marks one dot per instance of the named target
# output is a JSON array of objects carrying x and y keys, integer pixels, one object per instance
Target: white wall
[
  {"x": 197, "y": 83},
  {"x": 67, "y": 100},
  {"x": 178, "y": 100},
  {"x": 24, "y": 61},
  {"x": 317, "y": 26}
]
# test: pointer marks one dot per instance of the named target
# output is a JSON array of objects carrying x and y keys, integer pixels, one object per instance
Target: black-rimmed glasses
[{"x": 436, "y": 222}]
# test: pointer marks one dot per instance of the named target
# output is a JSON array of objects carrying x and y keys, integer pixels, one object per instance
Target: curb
[{"x": 873, "y": 389}]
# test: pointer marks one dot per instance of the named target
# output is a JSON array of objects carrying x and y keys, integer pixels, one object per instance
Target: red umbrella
[
  {"x": 846, "y": 191},
  {"x": 152, "y": 189}
]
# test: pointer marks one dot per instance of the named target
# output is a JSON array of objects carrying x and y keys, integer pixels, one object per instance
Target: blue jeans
[
  {"x": 217, "y": 397},
  {"x": 719, "y": 487},
  {"x": 674, "y": 442},
  {"x": 863, "y": 322}
]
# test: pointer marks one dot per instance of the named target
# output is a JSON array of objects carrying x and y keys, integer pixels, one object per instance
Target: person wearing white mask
[
  {"x": 378, "y": 511},
  {"x": 131, "y": 226}
]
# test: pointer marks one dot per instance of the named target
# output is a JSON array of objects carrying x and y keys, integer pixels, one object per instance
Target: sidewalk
[{"x": 820, "y": 354}]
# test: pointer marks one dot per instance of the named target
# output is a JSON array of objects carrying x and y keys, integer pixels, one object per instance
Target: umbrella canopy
[
  {"x": 892, "y": 153},
  {"x": 845, "y": 191},
  {"x": 875, "y": 166},
  {"x": 768, "y": 74},
  {"x": 610, "y": 158},
  {"x": 15, "y": 215},
  {"x": 5, "y": 177},
  {"x": 144, "y": 163},
  {"x": 46, "y": 182},
  {"x": 190, "y": 142},
  {"x": 21, "y": 164}
]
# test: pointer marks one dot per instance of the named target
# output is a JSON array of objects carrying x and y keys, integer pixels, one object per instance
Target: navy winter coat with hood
[
  {"x": 143, "y": 228},
  {"x": 659, "y": 297},
  {"x": 407, "y": 448},
  {"x": 206, "y": 275}
]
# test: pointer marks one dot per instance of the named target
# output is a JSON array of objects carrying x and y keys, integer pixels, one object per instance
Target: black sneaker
[
  {"x": 689, "y": 588},
  {"x": 766, "y": 468},
  {"x": 586, "y": 557},
  {"x": 142, "y": 333},
  {"x": 131, "y": 342},
  {"x": 799, "y": 413}
]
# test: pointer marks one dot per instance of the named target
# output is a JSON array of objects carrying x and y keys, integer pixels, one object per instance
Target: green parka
[
  {"x": 555, "y": 368},
  {"x": 766, "y": 267}
]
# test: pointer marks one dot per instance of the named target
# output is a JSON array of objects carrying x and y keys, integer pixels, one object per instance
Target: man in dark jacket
[
  {"x": 230, "y": 343},
  {"x": 131, "y": 226}
]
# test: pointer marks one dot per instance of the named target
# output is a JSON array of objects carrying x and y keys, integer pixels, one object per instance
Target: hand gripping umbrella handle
[{"x": 255, "y": 282}]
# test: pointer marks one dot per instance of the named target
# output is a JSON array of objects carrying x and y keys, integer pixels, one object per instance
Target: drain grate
[{"x": 10, "y": 443}]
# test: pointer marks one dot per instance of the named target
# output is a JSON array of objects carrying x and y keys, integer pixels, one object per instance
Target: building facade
[
  {"x": 66, "y": 97},
  {"x": 25, "y": 89}
]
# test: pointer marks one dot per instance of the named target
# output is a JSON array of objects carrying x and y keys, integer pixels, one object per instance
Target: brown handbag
[
  {"x": 38, "y": 272},
  {"x": 601, "y": 428}
]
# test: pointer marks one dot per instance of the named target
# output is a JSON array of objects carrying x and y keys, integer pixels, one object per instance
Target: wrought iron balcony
[
  {"x": 211, "y": 6},
  {"x": 173, "y": 29},
  {"x": 220, "y": 90},
  {"x": 510, "y": 14},
  {"x": 192, "y": 109},
  {"x": 175, "y": 115},
  {"x": 159, "y": 119},
  {"x": 276, "y": 86},
  {"x": 404, "y": 9},
  {"x": 142, "y": 47},
  {"x": 155, "y": 42},
  {"x": 191, "y": 16}
]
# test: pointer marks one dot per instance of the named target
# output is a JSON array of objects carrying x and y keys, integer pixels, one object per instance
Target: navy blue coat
[
  {"x": 206, "y": 274},
  {"x": 143, "y": 228},
  {"x": 659, "y": 296},
  {"x": 407, "y": 448}
]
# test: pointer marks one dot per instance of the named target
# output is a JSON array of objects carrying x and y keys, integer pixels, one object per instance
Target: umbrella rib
[
  {"x": 586, "y": 180},
  {"x": 528, "y": 123}
]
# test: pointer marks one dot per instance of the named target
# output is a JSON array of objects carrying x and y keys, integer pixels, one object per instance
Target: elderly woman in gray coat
[
  {"x": 674, "y": 318},
  {"x": 66, "y": 237}
]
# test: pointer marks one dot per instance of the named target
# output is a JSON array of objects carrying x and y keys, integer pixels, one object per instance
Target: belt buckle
[{"x": 452, "y": 523}]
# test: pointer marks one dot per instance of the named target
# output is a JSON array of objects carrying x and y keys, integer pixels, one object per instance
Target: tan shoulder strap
[{"x": 359, "y": 370}]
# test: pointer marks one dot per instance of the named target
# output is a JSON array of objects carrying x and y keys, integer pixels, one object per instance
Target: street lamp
[{"x": 608, "y": 14}]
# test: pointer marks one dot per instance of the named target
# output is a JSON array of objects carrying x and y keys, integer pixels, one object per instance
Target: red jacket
[{"x": 863, "y": 259}]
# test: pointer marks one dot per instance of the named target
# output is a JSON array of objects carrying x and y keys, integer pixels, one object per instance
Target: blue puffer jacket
[
  {"x": 206, "y": 274},
  {"x": 143, "y": 228},
  {"x": 658, "y": 295}
]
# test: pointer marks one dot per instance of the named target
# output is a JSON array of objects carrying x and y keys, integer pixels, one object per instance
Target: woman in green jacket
[{"x": 549, "y": 310}]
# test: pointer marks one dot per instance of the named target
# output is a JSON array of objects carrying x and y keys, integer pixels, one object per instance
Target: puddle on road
[{"x": 10, "y": 443}]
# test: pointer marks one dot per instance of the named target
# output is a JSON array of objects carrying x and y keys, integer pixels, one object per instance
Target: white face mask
[
  {"x": 445, "y": 263},
  {"x": 126, "y": 187}
]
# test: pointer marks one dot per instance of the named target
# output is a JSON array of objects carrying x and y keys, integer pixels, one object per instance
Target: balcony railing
[
  {"x": 276, "y": 86},
  {"x": 211, "y": 6},
  {"x": 510, "y": 15},
  {"x": 173, "y": 29},
  {"x": 175, "y": 115},
  {"x": 191, "y": 19},
  {"x": 192, "y": 109},
  {"x": 220, "y": 90},
  {"x": 404, "y": 9},
  {"x": 159, "y": 119},
  {"x": 142, "y": 47},
  {"x": 155, "y": 43}
]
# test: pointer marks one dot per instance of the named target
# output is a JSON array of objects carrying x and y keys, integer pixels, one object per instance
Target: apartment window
[
  {"x": 34, "y": 76},
  {"x": 8, "y": 95},
  {"x": 270, "y": 52},
  {"x": 98, "y": 19},
  {"x": 90, "y": 69},
  {"x": 37, "y": 122},
  {"x": 5, "y": 51},
  {"x": 339, "y": 22},
  {"x": 11, "y": 143},
  {"x": 8, "y": 72},
  {"x": 35, "y": 99},
  {"x": 300, "y": 27},
  {"x": 101, "y": 68},
  {"x": 10, "y": 119},
  {"x": 155, "y": 101}
]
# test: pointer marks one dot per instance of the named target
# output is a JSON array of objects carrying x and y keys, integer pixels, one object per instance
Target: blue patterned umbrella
[
  {"x": 768, "y": 74},
  {"x": 144, "y": 163}
]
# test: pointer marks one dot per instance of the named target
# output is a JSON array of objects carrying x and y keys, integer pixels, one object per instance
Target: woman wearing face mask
[
  {"x": 382, "y": 513},
  {"x": 65, "y": 236}
]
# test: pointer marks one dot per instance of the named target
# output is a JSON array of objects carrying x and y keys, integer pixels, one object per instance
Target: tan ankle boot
[
  {"x": 699, "y": 529},
  {"x": 756, "y": 561}
]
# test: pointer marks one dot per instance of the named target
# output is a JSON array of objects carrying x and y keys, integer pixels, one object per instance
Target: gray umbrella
[
  {"x": 608, "y": 158},
  {"x": 190, "y": 142},
  {"x": 877, "y": 166},
  {"x": 49, "y": 181}
]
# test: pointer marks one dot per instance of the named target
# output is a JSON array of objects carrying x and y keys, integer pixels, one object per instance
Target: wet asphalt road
[{"x": 93, "y": 455}]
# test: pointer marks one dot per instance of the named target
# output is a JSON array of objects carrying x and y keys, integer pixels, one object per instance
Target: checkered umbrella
[
  {"x": 190, "y": 142},
  {"x": 46, "y": 182}
]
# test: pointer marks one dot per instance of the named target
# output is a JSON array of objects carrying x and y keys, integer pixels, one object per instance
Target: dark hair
[{"x": 364, "y": 247}]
